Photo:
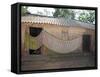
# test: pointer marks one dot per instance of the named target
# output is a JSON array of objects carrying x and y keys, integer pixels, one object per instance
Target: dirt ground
[{"x": 73, "y": 60}]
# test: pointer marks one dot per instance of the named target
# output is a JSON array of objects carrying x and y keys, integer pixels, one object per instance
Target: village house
[{"x": 57, "y": 34}]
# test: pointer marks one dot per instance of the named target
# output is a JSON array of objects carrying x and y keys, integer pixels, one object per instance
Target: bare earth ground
[{"x": 72, "y": 60}]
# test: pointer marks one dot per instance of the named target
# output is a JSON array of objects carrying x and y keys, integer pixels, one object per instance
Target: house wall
[{"x": 64, "y": 33}]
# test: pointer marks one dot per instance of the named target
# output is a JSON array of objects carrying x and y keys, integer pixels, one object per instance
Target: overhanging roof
[{"x": 56, "y": 21}]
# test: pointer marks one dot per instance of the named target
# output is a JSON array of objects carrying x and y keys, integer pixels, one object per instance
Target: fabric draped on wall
[
  {"x": 32, "y": 42},
  {"x": 53, "y": 43},
  {"x": 35, "y": 42},
  {"x": 61, "y": 46}
]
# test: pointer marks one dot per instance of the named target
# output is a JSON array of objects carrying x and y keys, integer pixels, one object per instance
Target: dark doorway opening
[{"x": 86, "y": 43}]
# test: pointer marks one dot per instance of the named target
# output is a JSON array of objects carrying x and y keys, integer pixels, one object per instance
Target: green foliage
[
  {"x": 66, "y": 13},
  {"x": 88, "y": 17},
  {"x": 24, "y": 10}
]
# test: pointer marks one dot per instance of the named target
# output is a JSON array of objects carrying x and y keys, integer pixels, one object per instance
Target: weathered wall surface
[{"x": 64, "y": 33}]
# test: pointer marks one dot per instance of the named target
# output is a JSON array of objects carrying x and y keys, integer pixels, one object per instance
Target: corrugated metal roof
[{"x": 57, "y": 21}]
